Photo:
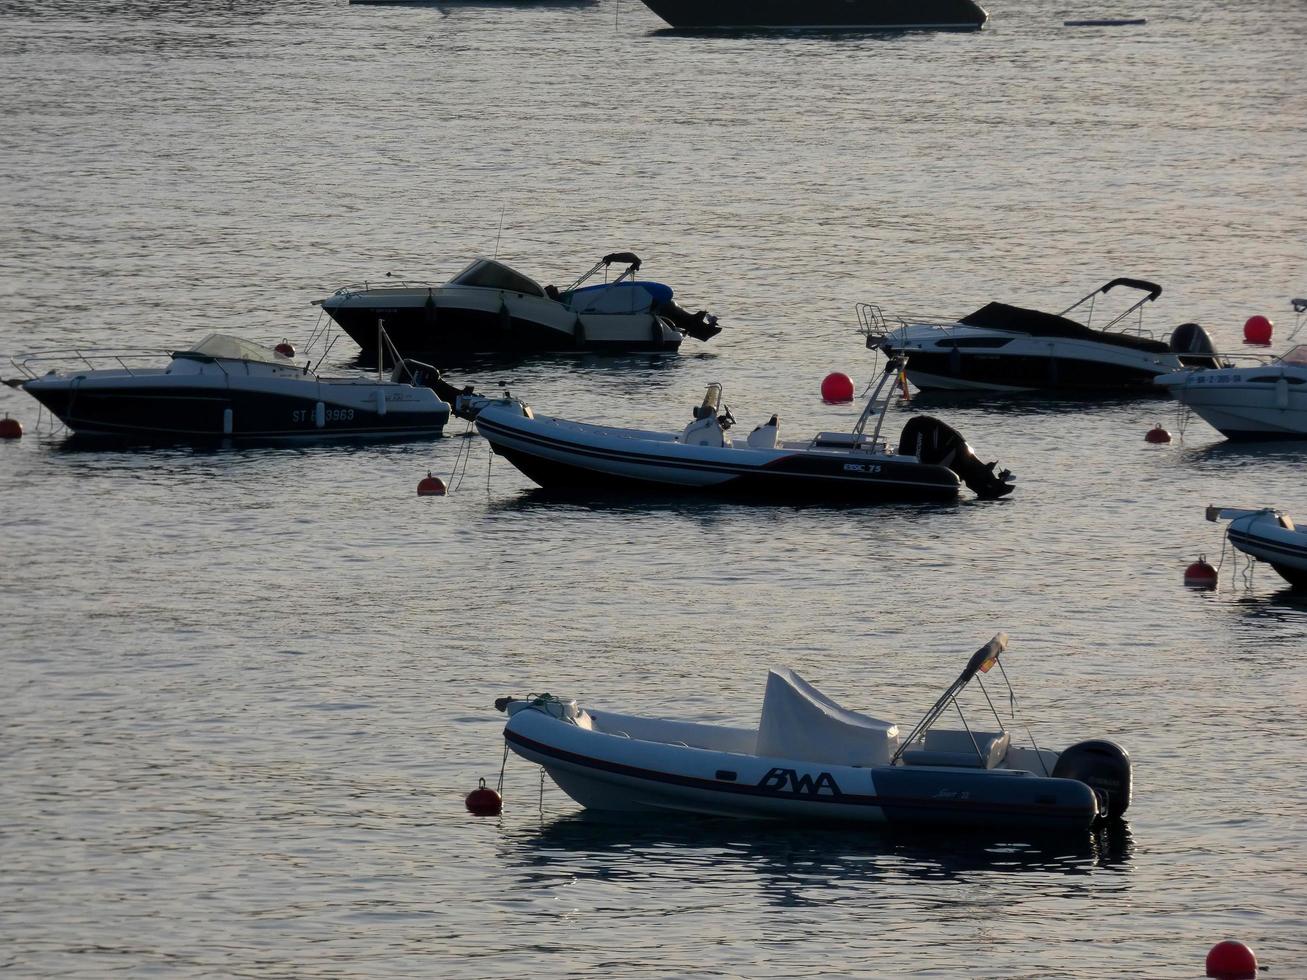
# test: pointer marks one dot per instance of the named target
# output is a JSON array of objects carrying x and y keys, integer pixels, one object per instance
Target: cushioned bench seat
[{"x": 954, "y": 748}]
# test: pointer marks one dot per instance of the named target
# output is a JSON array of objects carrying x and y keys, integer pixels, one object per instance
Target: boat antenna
[{"x": 501, "y": 229}]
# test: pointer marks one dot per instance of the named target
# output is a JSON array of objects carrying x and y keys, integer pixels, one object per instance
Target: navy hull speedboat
[
  {"x": 1002, "y": 348},
  {"x": 489, "y": 308},
  {"x": 931, "y": 461},
  {"x": 820, "y": 15},
  {"x": 228, "y": 388},
  {"x": 811, "y": 759}
]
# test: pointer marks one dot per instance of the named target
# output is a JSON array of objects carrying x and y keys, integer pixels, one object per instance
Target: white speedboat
[
  {"x": 931, "y": 461},
  {"x": 226, "y": 388},
  {"x": 1006, "y": 348},
  {"x": 1268, "y": 535},
  {"x": 489, "y": 308},
  {"x": 1258, "y": 400},
  {"x": 811, "y": 759}
]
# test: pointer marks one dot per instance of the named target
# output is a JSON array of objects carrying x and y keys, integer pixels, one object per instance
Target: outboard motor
[
  {"x": 1190, "y": 338},
  {"x": 935, "y": 442},
  {"x": 1104, "y": 767},
  {"x": 425, "y": 375},
  {"x": 701, "y": 325}
]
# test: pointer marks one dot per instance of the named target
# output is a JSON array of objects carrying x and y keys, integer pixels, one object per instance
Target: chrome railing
[
  {"x": 105, "y": 358},
  {"x": 388, "y": 283},
  {"x": 875, "y": 322}
]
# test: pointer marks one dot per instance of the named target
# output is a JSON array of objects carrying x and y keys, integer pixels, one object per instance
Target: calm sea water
[{"x": 245, "y": 691}]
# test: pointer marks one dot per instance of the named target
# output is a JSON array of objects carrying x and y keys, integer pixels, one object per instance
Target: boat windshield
[
  {"x": 235, "y": 349},
  {"x": 489, "y": 274},
  {"x": 1297, "y": 356}
]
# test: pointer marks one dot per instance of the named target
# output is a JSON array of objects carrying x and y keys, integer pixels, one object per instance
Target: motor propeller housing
[{"x": 1104, "y": 767}]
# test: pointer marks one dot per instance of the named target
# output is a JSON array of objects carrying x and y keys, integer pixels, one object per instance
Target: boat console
[{"x": 709, "y": 428}]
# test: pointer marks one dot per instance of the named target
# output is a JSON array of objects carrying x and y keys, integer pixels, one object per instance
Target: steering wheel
[{"x": 726, "y": 419}]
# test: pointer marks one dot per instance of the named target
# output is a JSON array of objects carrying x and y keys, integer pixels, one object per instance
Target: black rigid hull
[
  {"x": 185, "y": 413},
  {"x": 957, "y": 15},
  {"x": 453, "y": 332}
]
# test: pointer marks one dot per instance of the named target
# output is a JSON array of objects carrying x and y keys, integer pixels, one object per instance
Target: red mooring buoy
[
  {"x": 1231, "y": 960},
  {"x": 484, "y": 801},
  {"x": 431, "y": 486},
  {"x": 10, "y": 428},
  {"x": 285, "y": 349},
  {"x": 1200, "y": 575},
  {"x": 836, "y": 388},
  {"x": 1157, "y": 434},
  {"x": 1258, "y": 330}
]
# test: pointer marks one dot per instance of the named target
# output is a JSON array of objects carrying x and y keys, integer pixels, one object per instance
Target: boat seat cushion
[{"x": 954, "y": 748}]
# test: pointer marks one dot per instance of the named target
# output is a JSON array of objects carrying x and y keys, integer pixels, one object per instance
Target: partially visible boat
[
  {"x": 820, "y": 15},
  {"x": 224, "y": 388},
  {"x": 1268, "y": 535},
  {"x": 809, "y": 758},
  {"x": 1002, "y": 348},
  {"x": 1248, "y": 398},
  {"x": 930, "y": 463},
  {"x": 490, "y": 308}
]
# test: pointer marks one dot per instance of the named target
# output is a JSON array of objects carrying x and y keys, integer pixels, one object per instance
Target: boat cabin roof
[
  {"x": 221, "y": 345},
  {"x": 1016, "y": 319},
  {"x": 489, "y": 274}
]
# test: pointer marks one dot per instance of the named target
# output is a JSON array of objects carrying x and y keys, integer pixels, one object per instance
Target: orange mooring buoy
[
  {"x": 1200, "y": 575},
  {"x": 1157, "y": 434},
  {"x": 10, "y": 428},
  {"x": 484, "y": 801},
  {"x": 431, "y": 486}
]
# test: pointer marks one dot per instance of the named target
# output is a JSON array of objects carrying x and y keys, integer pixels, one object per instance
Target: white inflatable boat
[
  {"x": 1270, "y": 536},
  {"x": 931, "y": 462},
  {"x": 811, "y": 759}
]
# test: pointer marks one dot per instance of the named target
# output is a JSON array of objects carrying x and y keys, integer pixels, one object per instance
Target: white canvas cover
[
  {"x": 799, "y": 722},
  {"x": 236, "y": 349}
]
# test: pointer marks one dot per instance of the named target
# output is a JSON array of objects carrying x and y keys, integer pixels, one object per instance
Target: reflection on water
[
  {"x": 1228, "y": 454},
  {"x": 700, "y": 504},
  {"x": 792, "y": 865}
]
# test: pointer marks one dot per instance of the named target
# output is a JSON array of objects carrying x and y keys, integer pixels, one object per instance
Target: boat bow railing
[
  {"x": 34, "y": 364},
  {"x": 876, "y": 325},
  {"x": 363, "y": 287}
]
